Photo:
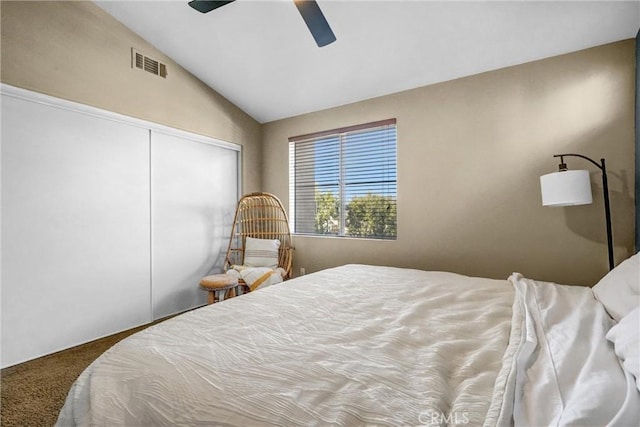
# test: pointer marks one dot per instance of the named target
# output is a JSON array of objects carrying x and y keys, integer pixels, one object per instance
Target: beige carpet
[{"x": 33, "y": 392}]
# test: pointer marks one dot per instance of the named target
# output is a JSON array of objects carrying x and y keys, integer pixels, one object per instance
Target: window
[{"x": 343, "y": 182}]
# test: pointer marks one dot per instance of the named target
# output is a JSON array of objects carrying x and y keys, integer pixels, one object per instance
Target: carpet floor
[{"x": 34, "y": 392}]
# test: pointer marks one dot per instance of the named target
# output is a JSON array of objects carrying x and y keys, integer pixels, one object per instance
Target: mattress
[{"x": 353, "y": 345}]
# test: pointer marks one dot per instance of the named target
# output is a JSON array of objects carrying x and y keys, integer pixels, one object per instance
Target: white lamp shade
[{"x": 566, "y": 188}]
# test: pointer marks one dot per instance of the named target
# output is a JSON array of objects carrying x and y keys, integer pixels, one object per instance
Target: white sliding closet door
[
  {"x": 75, "y": 228},
  {"x": 194, "y": 191}
]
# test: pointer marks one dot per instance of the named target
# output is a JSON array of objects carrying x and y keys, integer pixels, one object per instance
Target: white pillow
[
  {"x": 261, "y": 252},
  {"x": 619, "y": 290},
  {"x": 625, "y": 337}
]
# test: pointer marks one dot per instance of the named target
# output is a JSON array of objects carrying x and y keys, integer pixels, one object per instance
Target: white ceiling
[{"x": 260, "y": 55}]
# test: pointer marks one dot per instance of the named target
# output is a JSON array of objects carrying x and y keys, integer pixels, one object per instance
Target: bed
[{"x": 372, "y": 345}]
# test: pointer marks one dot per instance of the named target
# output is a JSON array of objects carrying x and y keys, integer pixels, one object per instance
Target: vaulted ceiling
[{"x": 260, "y": 55}]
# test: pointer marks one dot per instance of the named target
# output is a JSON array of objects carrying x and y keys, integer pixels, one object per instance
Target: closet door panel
[
  {"x": 194, "y": 190},
  {"x": 75, "y": 228}
]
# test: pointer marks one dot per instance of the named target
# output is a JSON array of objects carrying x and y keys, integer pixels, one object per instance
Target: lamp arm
[
  {"x": 607, "y": 207},
  {"x": 600, "y": 166}
]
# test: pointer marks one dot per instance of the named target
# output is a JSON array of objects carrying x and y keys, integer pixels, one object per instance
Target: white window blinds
[{"x": 343, "y": 181}]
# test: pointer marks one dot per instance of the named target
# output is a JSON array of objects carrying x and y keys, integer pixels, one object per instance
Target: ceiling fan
[{"x": 309, "y": 9}]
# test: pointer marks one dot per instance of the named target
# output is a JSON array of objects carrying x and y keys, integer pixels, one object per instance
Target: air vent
[{"x": 143, "y": 62}]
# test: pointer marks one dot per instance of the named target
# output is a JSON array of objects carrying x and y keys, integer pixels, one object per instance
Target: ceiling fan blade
[
  {"x": 207, "y": 6},
  {"x": 316, "y": 22}
]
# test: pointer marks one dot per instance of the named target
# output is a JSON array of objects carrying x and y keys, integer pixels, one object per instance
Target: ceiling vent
[{"x": 143, "y": 62}]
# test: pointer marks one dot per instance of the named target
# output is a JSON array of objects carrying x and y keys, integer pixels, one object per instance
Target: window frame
[{"x": 342, "y": 134}]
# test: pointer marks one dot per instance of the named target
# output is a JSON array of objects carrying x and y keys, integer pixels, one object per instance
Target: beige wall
[
  {"x": 470, "y": 153},
  {"x": 76, "y": 51}
]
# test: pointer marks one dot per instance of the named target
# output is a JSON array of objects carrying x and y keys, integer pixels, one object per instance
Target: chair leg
[{"x": 211, "y": 298}]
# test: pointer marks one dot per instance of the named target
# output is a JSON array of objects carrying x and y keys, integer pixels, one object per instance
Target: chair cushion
[
  {"x": 261, "y": 252},
  {"x": 219, "y": 281}
]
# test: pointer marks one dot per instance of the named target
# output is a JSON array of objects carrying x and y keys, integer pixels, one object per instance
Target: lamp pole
[{"x": 605, "y": 189}]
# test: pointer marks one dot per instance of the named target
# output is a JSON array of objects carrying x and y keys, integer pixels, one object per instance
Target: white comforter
[
  {"x": 354, "y": 345},
  {"x": 567, "y": 372}
]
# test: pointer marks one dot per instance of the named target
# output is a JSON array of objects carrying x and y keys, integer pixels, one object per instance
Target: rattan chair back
[{"x": 261, "y": 216}]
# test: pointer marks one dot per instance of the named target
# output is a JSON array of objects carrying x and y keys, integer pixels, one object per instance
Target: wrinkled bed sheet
[
  {"x": 368, "y": 345},
  {"x": 351, "y": 345}
]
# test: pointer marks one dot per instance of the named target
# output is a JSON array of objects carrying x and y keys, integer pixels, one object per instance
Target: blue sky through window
[{"x": 369, "y": 163}]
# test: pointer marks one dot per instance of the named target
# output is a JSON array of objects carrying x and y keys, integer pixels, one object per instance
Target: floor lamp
[{"x": 573, "y": 187}]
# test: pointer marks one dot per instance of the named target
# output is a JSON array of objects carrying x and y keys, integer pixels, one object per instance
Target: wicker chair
[{"x": 260, "y": 216}]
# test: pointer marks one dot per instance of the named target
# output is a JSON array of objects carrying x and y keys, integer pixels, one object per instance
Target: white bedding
[
  {"x": 353, "y": 345},
  {"x": 568, "y": 371}
]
